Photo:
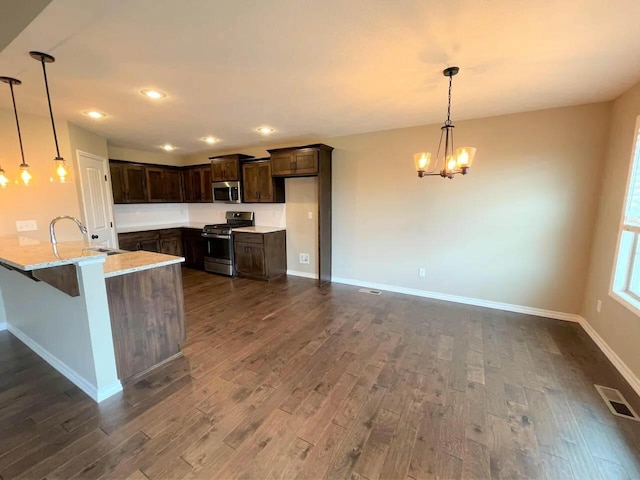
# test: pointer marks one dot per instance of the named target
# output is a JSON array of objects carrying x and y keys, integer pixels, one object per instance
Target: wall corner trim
[
  {"x": 3, "y": 326},
  {"x": 296, "y": 273},
  {"x": 613, "y": 357},
  {"x": 96, "y": 394}
]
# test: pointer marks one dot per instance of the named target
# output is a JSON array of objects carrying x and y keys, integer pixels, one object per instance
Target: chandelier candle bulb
[{"x": 422, "y": 160}]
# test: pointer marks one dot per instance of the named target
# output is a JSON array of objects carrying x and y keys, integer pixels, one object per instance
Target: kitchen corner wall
[{"x": 301, "y": 198}]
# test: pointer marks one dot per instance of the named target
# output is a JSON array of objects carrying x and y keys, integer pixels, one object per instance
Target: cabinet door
[
  {"x": 282, "y": 163},
  {"x": 249, "y": 259},
  {"x": 187, "y": 182},
  {"x": 171, "y": 246},
  {"x": 135, "y": 184},
  {"x": 305, "y": 162},
  {"x": 265, "y": 182},
  {"x": 155, "y": 184},
  {"x": 194, "y": 247},
  {"x": 250, "y": 175},
  {"x": 172, "y": 182},
  {"x": 231, "y": 171},
  {"x": 217, "y": 170},
  {"x": 117, "y": 182},
  {"x": 207, "y": 191}
]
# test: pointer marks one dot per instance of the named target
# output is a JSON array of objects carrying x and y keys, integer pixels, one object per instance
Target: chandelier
[{"x": 451, "y": 162}]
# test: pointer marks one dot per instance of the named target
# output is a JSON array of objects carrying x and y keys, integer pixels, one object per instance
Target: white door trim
[{"x": 105, "y": 161}]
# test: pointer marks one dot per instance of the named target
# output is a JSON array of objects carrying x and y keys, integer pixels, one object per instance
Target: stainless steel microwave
[{"x": 226, "y": 192}]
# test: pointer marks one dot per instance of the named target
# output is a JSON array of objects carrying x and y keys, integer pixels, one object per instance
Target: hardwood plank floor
[{"x": 285, "y": 380}]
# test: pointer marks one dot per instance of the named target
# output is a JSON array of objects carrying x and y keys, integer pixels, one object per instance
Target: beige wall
[
  {"x": 41, "y": 200},
  {"x": 619, "y": 327},
  {"x": 142, "y": 156},
  {"x": 516, "y": 230}
]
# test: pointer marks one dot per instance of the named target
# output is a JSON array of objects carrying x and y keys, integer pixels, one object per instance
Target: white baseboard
[
  {"x": 538, "y": 312},
  {"x": 96, "y": 394},
  {"x": 296, "y": 273},
  {"x": 613, "y": 357},
  {"x": 3, "y": 326}
]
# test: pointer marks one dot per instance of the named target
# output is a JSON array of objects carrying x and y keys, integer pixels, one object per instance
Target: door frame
[{"x": 105, "y": 162}]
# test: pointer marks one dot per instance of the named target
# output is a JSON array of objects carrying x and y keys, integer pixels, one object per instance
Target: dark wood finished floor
[{"x": 285, "y": 380}]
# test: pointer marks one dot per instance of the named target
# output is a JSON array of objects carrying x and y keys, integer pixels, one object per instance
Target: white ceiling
[{"x": 315, "y": 68}]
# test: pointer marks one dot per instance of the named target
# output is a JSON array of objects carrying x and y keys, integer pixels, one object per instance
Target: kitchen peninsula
[{"x": 100, "y": 317}]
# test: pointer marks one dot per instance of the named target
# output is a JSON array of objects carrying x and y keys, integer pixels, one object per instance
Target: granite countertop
[
  {"x": 148, "y": 228},
  {"x": 258, "y": 229},
  {"x": 26, "y": 254},
  {"x": 130, "y": 262}
]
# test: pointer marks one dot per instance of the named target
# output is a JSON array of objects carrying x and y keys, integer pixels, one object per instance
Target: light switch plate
[
  {"x": 26, "y": 225},
  {"x": 304, "y": 258}
]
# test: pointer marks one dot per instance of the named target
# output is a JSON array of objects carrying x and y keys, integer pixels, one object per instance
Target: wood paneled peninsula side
[{"x": 100, "y": 317}]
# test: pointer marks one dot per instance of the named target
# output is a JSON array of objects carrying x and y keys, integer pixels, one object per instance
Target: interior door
[{"x": 96, "y": 199}]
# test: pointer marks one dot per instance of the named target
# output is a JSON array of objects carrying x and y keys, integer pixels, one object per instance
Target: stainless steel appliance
[
  {"x": 226, "y": 192},
  {"x": 219, "y": 252}
]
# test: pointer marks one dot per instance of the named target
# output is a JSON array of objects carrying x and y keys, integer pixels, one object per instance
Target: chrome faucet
[{"x": 52, "y": 225}]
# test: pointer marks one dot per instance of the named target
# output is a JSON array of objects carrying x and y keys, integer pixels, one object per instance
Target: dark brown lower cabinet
[
  {"x": 167, "y": 241},
  {"x": 261, "y": 256},
  {"x": 193, "y": 247},
  {"x": 147, "y": 318}
]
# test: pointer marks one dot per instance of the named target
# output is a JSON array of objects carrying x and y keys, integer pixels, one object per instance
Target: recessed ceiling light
[
  {"x": 265, "y": 130},
  {"x": 95, "y": 114},
  {"x": 168, "y": 147},
  {"x": 210, "y": 140},
  {"x": 155, "y": 94}
]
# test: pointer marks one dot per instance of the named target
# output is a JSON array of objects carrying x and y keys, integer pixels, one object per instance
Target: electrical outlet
[
  {"x": 422, "y": 272},
  {"x": 598, "y": 306},
  {"x": 304, "y": 258},
  {"x": 26, "y": 225},
  {"x": 310, "y": 215}
]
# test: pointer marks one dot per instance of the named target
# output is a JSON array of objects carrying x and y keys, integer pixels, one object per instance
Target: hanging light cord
[
  {"x": 53, "y": 125},
  {"x": 15, "y": 111}
]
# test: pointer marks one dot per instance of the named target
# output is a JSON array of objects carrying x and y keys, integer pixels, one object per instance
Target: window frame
[{"x": 627, "y": 248}]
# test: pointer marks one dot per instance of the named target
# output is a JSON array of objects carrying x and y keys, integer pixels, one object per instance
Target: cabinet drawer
[{"x": 244, "y": 237}]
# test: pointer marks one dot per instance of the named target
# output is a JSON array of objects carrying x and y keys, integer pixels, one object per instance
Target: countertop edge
[{"x": 141, "y": 268}]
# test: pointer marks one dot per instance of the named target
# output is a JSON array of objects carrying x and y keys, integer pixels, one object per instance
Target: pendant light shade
[
  {"x": 25, "y": 175},
  {"x": 60, "y": 167},
  {"x": 4, "y": 181},
  {"x": 453, "y": 161}
]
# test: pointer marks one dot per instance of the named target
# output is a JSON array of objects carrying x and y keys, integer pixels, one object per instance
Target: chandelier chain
[{"x": 448, "y": 122}]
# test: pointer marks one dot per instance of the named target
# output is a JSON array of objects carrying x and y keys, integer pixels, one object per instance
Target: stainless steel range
[{"x": 219, "y": 253}]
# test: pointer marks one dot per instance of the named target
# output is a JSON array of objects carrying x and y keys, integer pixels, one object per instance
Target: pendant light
[
  {"x": 25, "y": 175},
  {"x": 452, "y": 163},
  {"x": 4, "y": 181},
  {"x": 60, "y": 167}
]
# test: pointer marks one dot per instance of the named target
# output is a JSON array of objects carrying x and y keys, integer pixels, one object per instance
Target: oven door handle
[{"x": 215, "y": 235}]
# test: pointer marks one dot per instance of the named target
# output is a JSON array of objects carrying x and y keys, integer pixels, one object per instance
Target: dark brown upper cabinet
[
  {"x": 297, "y": 162},
  {"x": 128, "y": 182},
  {"x": 197, "y": 184},
  {"x": 164, "y": 184},
  {"x": 227, "y": 167},
  {"x": 258, "y": 185}
]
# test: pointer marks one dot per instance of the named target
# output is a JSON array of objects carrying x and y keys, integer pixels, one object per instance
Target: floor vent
[
  {"x": 617, "y": 403},
  {"x": 370, "y": 292}
]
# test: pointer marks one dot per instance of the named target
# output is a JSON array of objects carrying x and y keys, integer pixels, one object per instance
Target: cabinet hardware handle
[{"x": 94, "y": 236}]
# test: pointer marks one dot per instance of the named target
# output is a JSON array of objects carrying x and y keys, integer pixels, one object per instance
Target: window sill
[{"x": 627, "y": 301}]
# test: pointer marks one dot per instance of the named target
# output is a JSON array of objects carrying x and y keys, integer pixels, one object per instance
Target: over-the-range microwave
[{"x": 226, "y": 192}]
